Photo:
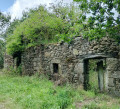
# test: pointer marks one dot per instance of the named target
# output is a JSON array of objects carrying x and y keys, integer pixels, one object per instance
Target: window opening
[{"x": 55, "y": 68}]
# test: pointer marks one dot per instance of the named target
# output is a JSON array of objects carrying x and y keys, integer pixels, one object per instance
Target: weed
[{"x": 35, "y": 92}]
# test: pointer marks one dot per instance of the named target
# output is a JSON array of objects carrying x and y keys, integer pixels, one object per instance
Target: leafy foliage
[
  {"x": 2, "y": 50},
  {"x": 62, "y": 22},
  {"x": 4, "y": 20},
  {"x": 9, "y": 30},
  {"x": 43, "y": 26},
  {"x": 100, "y": 18}
]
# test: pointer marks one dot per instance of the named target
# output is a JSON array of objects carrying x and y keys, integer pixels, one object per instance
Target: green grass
[
  {"x": 33, "y": 92},
  {"x": 93, "y": 81}
]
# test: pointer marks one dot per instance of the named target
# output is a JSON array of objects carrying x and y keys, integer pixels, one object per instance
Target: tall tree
[
  {"x": 100, "y": 18},
  {"x": 2, "y": 49},
  {"x": 4, "y": 20},
  {"x": 9, "y": 30}
]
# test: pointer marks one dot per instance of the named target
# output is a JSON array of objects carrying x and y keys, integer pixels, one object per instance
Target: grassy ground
[{"x": 39, "y": 93}]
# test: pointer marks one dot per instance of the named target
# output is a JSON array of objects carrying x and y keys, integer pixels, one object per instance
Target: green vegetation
[
  {"x": 2, "y": 50},
  {"x": 93, "y": 81},
  {"x": 58, "y": 23},
  {"x": 93, "y": 20},
  {"x": 10, "y": 29},
  {"x": 34, "y": 92},
  {"x": 4, "y": 20},
  {"x": 93, "y": 76},
  {"x": 100, "y": 18},
  {"x": 43, "y": 26}
]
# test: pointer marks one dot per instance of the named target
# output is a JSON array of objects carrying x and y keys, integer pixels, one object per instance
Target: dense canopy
[
  {"x": 43, "y": 26},
  {"x": 91, "y": 18},
  {"x": 102, "y": 17}
]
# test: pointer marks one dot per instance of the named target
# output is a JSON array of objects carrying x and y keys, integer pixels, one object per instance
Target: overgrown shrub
[
  {"x": 13, "y": 71},
  {"x": 45, "y": 26}
]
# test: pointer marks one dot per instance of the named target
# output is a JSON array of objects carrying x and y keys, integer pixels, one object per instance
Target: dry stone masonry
[
  {"x": 8, "y": 61},
  {"x": 70, "y": 62}
]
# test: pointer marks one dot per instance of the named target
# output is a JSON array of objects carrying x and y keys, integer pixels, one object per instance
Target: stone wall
[
  {"x": 8, "y": 61},
  {"x": 113, "y": 74},
  {"x": 70, "y": 60}
]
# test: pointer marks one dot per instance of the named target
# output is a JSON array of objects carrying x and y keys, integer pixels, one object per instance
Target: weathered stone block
[
  {"x": 75, "y": 52},
  {"x": 111, "y": 63},
  {"x": 47, "y": 54},
  {"x": 80, "y": 52},
  {"x": 78, "y": 68},
  {"x": 34, "y": 63},
  {"x": 111, "y": 82}
]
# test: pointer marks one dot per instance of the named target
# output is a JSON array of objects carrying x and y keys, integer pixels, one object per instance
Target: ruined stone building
[{"x": 71, "y": 61}]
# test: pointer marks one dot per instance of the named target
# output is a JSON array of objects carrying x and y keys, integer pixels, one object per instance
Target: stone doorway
[{"x": 94, "y": 74}]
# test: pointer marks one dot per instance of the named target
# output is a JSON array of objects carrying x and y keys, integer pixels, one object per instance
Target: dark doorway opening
[
  {"x": 94, "y": 74},
  {"x": 86, "y": 74},
  {"x": 55, "y": 68},
  {"x": 17, "y": 61},
  {"x": 17, "y": 55}
]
